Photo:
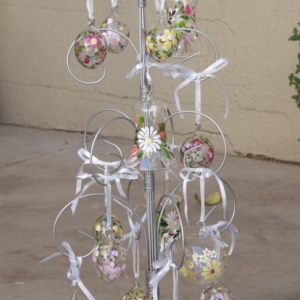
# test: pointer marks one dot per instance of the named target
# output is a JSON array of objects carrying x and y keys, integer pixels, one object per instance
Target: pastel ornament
[
  {"x": 197, "y": 152},
  {"x": 116, "y": 42}
]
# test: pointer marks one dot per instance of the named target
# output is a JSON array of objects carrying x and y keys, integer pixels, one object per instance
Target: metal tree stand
[{"x": 167, "y": 248}]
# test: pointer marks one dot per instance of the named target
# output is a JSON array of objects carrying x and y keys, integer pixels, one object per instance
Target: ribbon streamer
[
  {"x": 164, "y": 265},
  {"x": 90, "y": 8},
  {"x": 204, "y": 173}
]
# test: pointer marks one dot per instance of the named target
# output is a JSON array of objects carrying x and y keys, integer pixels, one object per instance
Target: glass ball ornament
[
  {"x": 109, "y": 259},
  {"x": 197, "y": 152},
  {"x": 116, "y": 42},
  {"x": 205, "y": 261},
  {"x": 161, "y": 42},
  {"x": 216, "y": 291},
  {"x": 136, "y": 293},
  {"x": 100, "y": 230},
  {"x": 90, "y": 48}
]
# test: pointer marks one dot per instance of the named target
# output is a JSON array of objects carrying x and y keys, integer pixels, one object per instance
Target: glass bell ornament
[
  {"x": 161, "y": 41},
  {"x": 150, "y": 150},
  {"x": 90, "y": 48},
  {"x": 100, "y": 230},
  {"x": 109, "y": 259},
  {"x": 116, "y": 43},
  {"x": 136, "y": 293},
  {"x": 216, "y": 291},
  {"x": 197, "y": 151},
  {"x": 204, "y": 261}
]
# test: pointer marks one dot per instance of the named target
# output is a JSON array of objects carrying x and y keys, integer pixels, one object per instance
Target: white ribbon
[
  {"x": 164, "y": 265},
  {"x": 123, "y": 173},
  {"x": 192, "y": 76},
  {"x": 214, "y": 233},
  {"x": 159, "y": 5},
  {"x": 163, "y": 66},
  {"x": 73, "y": 273},
  {"x": 90, "y": 8},
  {"x": 203, "y": 173},
  {"x": 134, "y": 243}
]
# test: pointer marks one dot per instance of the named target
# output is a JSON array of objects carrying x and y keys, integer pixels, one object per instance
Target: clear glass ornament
[
  {"x": 116, "y": 43},
  {"x": 74, "y": 293},
  {"x": 216, "y": 291},
  {"x": 109, "y": 259},
  {"x": 90, "y": 48},
  {"x": 100, "y": 229},
  {"x": 136, "y": 293},
  {"x": 161, "y": 41},
  {"x": 197, "y": 151},
  {"x": 205, "y": 260},
  {"x": 182, "y": 14}
]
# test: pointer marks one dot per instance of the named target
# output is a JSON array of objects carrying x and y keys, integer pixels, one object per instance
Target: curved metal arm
[{"x": 91, "y": 119}]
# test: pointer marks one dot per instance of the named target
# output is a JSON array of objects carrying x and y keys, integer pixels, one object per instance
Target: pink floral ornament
[
  {"x": 90, "y": 49},
  {"x": 116, "y": 42},
  {"x": 197, "y": 152},
  {"x": 109, "y": 260}
]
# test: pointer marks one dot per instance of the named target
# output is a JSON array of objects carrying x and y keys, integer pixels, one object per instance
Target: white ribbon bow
[
  {"x": 212, "y": 231},
  {"x": 180, "y": 71},
  {"x": 106, "y": 178},
  {"x": 73, "y": 273}
]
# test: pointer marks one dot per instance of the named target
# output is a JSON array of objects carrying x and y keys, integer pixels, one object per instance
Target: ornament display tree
[{"x": 162, "y": 218}]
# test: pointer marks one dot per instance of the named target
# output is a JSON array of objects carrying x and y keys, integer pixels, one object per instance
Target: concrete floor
[{"x": 37, "y": 179}]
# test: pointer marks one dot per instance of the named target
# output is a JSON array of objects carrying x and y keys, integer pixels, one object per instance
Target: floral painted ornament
[
  {"x": 161, "y": 42},
  {"x": 116, "y": 42},
  {"x": 100, "y": 230},
  {"x": 216, "y": 291},
  {"x": 206, "y": 262},
  {"x": 136, "y": 293},
  {"x": 90, "y": 48},
  {"x": 197, "y": 152},
  {"x": 182, "y": 14},
  {"x": 109, "y": 260}
]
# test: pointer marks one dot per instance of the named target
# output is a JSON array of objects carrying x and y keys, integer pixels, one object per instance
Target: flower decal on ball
[{"x": 148, "y": 140}]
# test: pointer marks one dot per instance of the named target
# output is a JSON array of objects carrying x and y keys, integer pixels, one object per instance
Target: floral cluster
[
  {"x": 203, "y": 267},
  {"x": 109, "y": 259},
  {"x": 161, "y": 43},
  {"x": 90, "y": 49},
  {"x": 182, "y": 15},
  {"x": 197, "y": 152},
  {"x": 116, "y": 43}
]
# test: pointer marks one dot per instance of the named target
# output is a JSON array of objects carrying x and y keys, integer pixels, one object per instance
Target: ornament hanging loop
[{"x": 91, "y": 22}]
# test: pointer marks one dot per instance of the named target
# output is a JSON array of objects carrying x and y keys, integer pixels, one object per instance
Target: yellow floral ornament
[{"x": 161, "y": 42}]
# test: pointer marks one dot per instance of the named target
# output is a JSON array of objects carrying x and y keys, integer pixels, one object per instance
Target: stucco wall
[{"x": 36, "y": 89}]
